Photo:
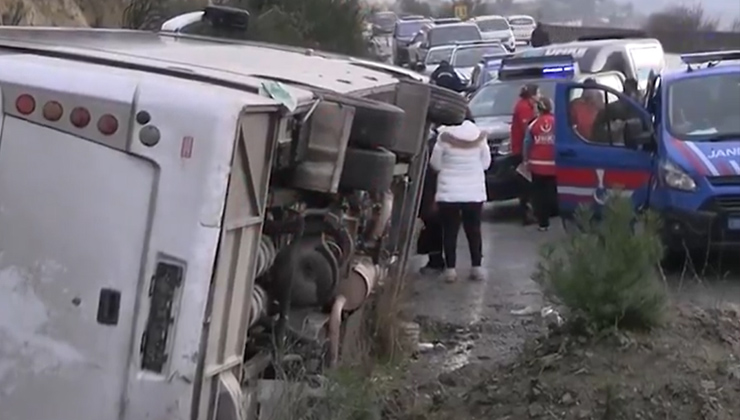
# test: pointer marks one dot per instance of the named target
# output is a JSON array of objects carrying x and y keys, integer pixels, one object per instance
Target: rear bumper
[{"x": 698, "y": 230}]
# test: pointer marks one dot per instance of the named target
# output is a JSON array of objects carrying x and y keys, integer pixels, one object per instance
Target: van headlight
[
  {"x": 505, "y": 147},
  {"x": 676, "y": 178}
]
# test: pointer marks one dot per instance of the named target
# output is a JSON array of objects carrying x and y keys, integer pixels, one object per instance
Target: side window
[
  {"x": 599, "y": 117},
  {"x": 645, "y": 60}
]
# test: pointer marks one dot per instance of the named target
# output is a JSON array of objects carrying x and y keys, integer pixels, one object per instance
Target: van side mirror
[
  {"x": 638, "y": 135},
  {"x": 420, "y": 66}
]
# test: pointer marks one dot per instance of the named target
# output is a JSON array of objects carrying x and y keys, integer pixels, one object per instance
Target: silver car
[
  {"x": 466, "y": 56},
  {"x": 522, "y": 26},
  {"x": 433, "y": 58},
  {"x": 496, "y": 28}
]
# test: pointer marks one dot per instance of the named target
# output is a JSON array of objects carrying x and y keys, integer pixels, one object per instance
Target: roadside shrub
[
  {"x": 681, "y": 18},
  {"x": 606, "y": 272}
]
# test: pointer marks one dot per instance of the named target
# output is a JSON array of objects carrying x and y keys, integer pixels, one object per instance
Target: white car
[
  {"x": 522, "y": 26},
  {"x": 496, "y": 28}
]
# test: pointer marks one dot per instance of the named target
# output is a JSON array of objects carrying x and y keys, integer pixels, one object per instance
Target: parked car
[
  {"x": 403, "y": 34},
  {"x": 441, "y": 35},
  {"x": 522, "y": 26},
  {"x": 433, "y": 58},
  {"x": 466, "y": 56},
  {"x": 497, "y": 28}
]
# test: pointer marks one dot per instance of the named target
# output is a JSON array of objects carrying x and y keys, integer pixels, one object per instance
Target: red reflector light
[
  {"x": 108, "y": 124},
  {"x": 80, "y": 117},
  {"x": 53, "y": 111},
  {"x": 25, "y": 104}
]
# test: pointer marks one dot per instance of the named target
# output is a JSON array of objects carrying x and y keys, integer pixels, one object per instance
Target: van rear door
[{"x": 72, "y": 238}]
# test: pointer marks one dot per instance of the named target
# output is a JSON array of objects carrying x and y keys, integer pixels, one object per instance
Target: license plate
[{"x": 733, "y": 223}]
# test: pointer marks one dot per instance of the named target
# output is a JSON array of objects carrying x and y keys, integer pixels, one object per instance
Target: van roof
[
  {"x": 585, "y": 52},
  {"x": 242, "y": 64},
  {"x": 487, "y": 17},
  {"x": 728, "y": 68}
]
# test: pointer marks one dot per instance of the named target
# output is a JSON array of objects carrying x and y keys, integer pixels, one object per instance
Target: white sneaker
[
  {"x": 450, "y": 275},
  {"x": 477, "y": 274}
]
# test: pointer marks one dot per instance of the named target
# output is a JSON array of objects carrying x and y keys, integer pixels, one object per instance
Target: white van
[{"x": 148, "y": 181}]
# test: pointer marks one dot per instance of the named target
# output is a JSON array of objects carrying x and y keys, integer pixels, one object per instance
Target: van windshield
[
  {"x": 443, "y": 35},
  {"x": 490, "y": 25},
  {"x": 407, "y": 29},
  {"x": 715, "y": 117},
  {"x": 498, "y": 98},
  {"x": 470, "y": 56},
  {"x": 437, "y": 55}
]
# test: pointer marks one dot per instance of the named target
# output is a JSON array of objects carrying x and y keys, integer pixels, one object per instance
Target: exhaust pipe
[
  {"x": 384, "y": 216},
  {"x": 353, "y": 291}
]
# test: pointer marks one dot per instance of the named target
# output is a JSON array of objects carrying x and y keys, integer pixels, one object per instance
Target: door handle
[{"x": 567, "y": 153}]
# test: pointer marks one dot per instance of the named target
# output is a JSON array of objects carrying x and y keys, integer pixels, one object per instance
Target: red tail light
[
  {"x": 53, "y": 111},
  {"x": 25, "y": 104},
  {"x": 108, "y": 124},
  {"x": 80, "y": 117}
]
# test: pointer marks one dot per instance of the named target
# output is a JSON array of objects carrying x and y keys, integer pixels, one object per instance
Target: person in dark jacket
[
  {"x": 540, "y": 37},
  {"x": 430, "y": 240},
  {"x": 446, "y": 76},
  {"x": 609, "y": 123}
]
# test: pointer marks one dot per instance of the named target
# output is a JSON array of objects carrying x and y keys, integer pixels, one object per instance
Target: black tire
[
  {"x": 309, "y": 271},
  {"x": 367, "y": 170},
  {"x": 446, "y": 107},
  {"x": 376, "y": 124}
]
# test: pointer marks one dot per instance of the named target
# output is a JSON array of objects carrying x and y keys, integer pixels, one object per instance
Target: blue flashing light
[{"x": 563, "y": 69}]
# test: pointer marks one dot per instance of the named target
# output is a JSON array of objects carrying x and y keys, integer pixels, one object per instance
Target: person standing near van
[
  {"x": 430, "y": 242},
  {"x": 540, "y": 37},
  {"x": 539, "y": 156},
  {"x": 461, "y": 157},
  {"x": 524, "y": 113}
]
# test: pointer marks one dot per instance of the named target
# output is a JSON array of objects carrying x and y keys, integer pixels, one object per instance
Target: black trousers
[
  {"x": 469, "y": 215},
  {"x": 544, "y": 198},
  {"x": 524, "y": 193},
  {"x": 431, "y": 241}
]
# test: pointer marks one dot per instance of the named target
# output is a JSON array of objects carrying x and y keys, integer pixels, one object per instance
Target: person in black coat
[
  {"x": 446, "y": 76},
  {"x": 540, "y": 37},
  {"x": 430, "y": 239}
]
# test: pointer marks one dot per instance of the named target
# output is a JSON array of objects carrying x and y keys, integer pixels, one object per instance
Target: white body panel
[{"x": 81, "y": 212}]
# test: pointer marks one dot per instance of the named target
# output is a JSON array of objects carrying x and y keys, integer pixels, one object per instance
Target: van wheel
[
  {"x": 376, "y": 124},
  {"x": 367, "y": 170},
  {"x": 446, "y": 107}
]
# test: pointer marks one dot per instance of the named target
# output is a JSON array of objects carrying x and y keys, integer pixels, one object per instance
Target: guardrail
[{"x": 673, "y": 41}]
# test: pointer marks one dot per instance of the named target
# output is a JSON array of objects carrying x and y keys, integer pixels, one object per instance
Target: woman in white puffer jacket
[{"x": 461, "y": 157}]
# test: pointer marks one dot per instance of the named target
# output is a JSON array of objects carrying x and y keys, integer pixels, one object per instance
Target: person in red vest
[
  {"x": 539, "y": 156},
  {"x": 524, "y": 113}
]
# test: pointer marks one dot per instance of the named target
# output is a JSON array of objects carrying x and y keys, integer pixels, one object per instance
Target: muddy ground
[{"x": 488, "y": 354}]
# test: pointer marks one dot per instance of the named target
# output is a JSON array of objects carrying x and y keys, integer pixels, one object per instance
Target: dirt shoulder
[{"x": 688, "y": 369}]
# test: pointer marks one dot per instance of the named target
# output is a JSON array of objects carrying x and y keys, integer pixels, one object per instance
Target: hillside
[{"x": 94, "y": 13}]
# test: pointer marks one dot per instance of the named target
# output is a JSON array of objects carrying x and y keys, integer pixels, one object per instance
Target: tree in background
[
  {"x": 735, "y": 27},
  {"x": 415, "y": 7},
  {"x": 329, "y": 25},
  {"x": 681, "y": 18}
]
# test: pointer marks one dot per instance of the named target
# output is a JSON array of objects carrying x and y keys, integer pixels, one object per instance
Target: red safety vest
[{"x": 542, "y": 151}]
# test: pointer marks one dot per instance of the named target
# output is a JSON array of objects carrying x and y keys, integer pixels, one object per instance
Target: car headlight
[
  {"x": 676, "y": 178},
  {"x": 504, "y": 148}
]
